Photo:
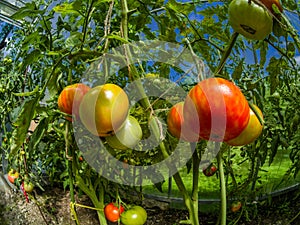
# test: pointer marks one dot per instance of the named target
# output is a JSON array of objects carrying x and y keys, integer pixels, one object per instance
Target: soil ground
[{"x": 52, "y": 207}]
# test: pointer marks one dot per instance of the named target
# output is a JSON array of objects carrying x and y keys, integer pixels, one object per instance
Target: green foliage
[{"x": 58, "y": 42}]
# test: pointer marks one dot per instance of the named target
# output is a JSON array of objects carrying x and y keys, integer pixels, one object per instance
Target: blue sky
[{"x": 249, "y": 59}]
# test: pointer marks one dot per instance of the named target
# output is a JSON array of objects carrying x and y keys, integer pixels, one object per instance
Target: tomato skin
[
  {"x": 210, "y": 170},
  {"x": 28, "y": 186},
  {"x": 251, "y": 20},
  {"x": 128, "y": 136},
  {"x": 112, "y": 212},
  {"x": 236, "y": 206},
  {"x": 269, "y": 3},
  {"x": 251, "y": 132},
  {"x": 12, "y": 175},
  {"x": 70, "y": 97},
  {"x": 176, "y": 125},
  {"x": 104, "y": 109},
  {"x": 216, "y": 109},
  {"x": 136, "y": 215}
]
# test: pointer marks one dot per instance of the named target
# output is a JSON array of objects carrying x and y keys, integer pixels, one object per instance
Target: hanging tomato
[{"x": 250, "y": 19}]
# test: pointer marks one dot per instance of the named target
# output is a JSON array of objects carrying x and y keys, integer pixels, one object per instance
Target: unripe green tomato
[
  {"x": 250, "y": 19},
  {"x": 136, "y": 215},
  {"x": 128, "y": 136},
  {"x": 28, "y": 186}
]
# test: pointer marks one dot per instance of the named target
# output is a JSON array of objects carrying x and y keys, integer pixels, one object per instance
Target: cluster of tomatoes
[
  {"x": 254, "y": 18},
  {"x": 215, "y": 109},
  {"x": 134, "y": 215},
  {"x": 104, "y": 111},
  {"x": 25, "y": 184}
]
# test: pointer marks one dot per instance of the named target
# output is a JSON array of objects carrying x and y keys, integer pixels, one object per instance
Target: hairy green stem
[
  {"x": 146, "y": 104},
  {"x": 195, "y": 203},
  {"x": 69, "y": 163},
  {"x": 99, "y": 204},
  {"x": 222, "y": 185}
]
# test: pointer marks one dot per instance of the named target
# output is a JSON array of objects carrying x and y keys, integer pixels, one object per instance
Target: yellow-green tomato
[
  {"x": 128, "y": 136},
  {"x": 104, "y": 109},
  {"x": 136, "y": 215},
  {"x": 251, "y": 132},
  {"x": 28, "y": 186},
  {"x": 250, "y": 19}
]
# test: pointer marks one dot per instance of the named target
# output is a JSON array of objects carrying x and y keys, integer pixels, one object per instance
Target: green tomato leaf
[
  {"x": 74, "y": 39},
  {"x": 117, "y": 37},
  {"x": 67, "y": 8},
  {"x": 22, "y": 124},
  {"x": 26, "y": 94},
  {"x": 274, "y": 148},
  {"x": 38, "y": 133},
  {"x": 29, "y": 10},
  {"x": 238, "y": 71}
]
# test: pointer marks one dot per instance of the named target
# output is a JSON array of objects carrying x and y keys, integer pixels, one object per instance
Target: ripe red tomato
[
  {"x": 112, "y": 212},
  {"x": 104, "y": 109},
  {"x": 251, "y": 132},
  {"x": 216, "y": 109},
  {"x": 176, "y": 125},
  {"x": 128, "y": 136},
  {"x": 70, "y": 98},
  {"x": 210, "y": 170},
  {"x": 12, "y": 175}
]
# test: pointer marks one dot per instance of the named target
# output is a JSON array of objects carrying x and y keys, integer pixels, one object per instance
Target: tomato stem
[
  {"x": 195, "y": 203},
  {"x": 69, "y": 163},
  {"x": 222, "y": 185}
]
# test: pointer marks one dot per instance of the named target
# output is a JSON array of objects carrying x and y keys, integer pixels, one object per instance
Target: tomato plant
[
  {"x": 251, "y": 132},
  {"x": 250, "y": 19},
  {"x": 135, "y": 215},
  {"x": 221, "y": 109},
  {"x": 28, "y": 186},
  {"x": 70, "y": 98},
  {"x": 12, "y": 175},
  {"x": 104, "y": 109},
  {"x": 176, "y": 125},
  {"x": 128, "y": 136},
  {"x": 112, "y": 212},
  {"x": 210, "y": 170},
  {"x": 235, "y": 206}
]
